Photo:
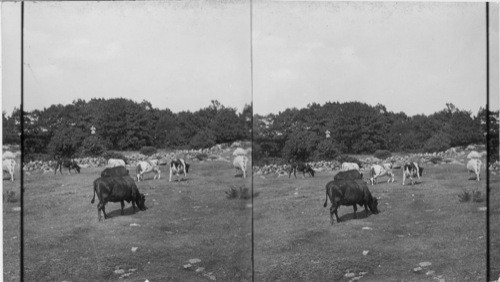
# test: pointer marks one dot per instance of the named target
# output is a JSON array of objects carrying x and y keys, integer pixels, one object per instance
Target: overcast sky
[
  {"x": 411, "y": 57},
  {"x": 176, "y": 55}
]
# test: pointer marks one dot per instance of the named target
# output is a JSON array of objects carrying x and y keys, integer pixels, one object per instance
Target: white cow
[
  {"x": 239, "y": 152},
  {"x": 144, "y": 167},
  {"x": 349, "y": 166},
  {"x": 9, "y": 166},
  {"x": 240, "y": 163},
  {"x": 381, "y": 170},
  {"x": 178, "y": 166},
  {"x": 115, "y": 162},
  {"x": 411, "y": 170},
  {"x": 474, "y": 166}
]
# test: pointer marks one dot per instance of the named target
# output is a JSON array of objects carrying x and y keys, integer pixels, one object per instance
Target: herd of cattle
[{"x": 349, "y": 189}]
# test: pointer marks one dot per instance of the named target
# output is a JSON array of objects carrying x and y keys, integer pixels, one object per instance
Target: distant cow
[
  {"x": 115, "y": 162},
  {"x": 144, "y": 167},
  {"x": 474, "y": 166},
  {"x": 381, "y": 170},
  {"x": 412, "y": 170},
  {"x": 302, "y": 167},
  {"x": 9, "y": 165},
  {"x": 240, "y": 163},
  {"x": 349, "y": 193},
  {"x": 349, "y": 166},
  {"x": 117, "y": 189},
  {"x": 348, "y": 175},
  {"x": 178, "y": 166},
  {"x": 115, "y": 171},
  {"x": 67, "y": 163}
]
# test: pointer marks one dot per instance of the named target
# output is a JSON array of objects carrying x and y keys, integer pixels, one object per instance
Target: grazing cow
[
  {"x": 381, "y": 170},
  {"x": 348, "y": 175},
  {"x": 117, "y": 189},
  {"x": 9, "y": 165},
  {"x": 412, "y": 170},
  {"x": 69, "y": 164},
  {"x": 178, "y": 166},
  {"x": 349, "y": 193},
  {"x": 474, "y": 166},
  {"x": 144, "y": 167},
  {"x": 114, "y": 171},
  {"x": 302, "y": 167},
  {"x": 349, "y": 166},
  {"x": 115, "y": 162},
  {"x": 240, "y": 163}
]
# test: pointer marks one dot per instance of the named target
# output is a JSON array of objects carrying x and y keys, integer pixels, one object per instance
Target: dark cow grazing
[
  {"x": 348, "y": 175},
  {"x": 412, "y": 170},
  {"x": 178, "y": 166},
  {"x": 302, "y": 167},
  {"x": 117, "y": 189},
  {"x": 115, "y": 171},
  {"x": 349, "y": 193},
  {"x": 67, "y": 163}
]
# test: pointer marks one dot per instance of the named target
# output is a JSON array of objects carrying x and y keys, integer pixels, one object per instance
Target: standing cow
[
  {"x": 349, "y": 193},
  {"x": 302, "y": 167},
  {"x": 348, "y": 175},
  {"x": 412, "y": 170},
  {"x": 9, "y": 166},
  {"x": 474, "y": 166},
  {"x": 67, "y": 163},
  {"x": 115, "y": 163},
  {"x": 115, "y": 171},
  {"x": 381, "y": 170},
  {"x": 240, "y": 163},
  {"x": 117, "y": 189},
  {"x": 144, "y": 167},
  {"x": 178, "y": 166}
]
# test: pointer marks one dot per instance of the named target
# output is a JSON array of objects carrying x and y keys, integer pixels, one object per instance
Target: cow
[
  {"x": 349, "y": 193},
  {"x": 178, "y": 166},
  {"x": 117, "y": 189},
  {"x": 381, "y": 170},
  {"x": 349, "y": 166},
  {"x": 67, "y": 163},
  {"x": 240, "y": 163},
  {"x": 412, "y": 170},
  {"x": 144, "y": 167},
  {"x": 302, "y": 167},
  {"x": 115, "y": 171},
  {"x": 474, "y": 166},
  {"x": 115, "y": 162},
  {"x": 9, "y": 165},
  {"x": 348, "y": 175}
]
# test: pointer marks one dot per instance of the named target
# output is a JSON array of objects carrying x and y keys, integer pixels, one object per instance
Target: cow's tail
[
  {"x": 326, "y": 200},
  {"x": 93, "y": 198}
]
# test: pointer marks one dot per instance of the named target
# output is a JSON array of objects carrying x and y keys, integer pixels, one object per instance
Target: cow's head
[
  {"x": 141, "y": 202},
  {"x": 373, "y": 205},
  {"x": 76, "y": 166},
  {"x": 310, "y": 170},
  {"x": 187, "y": 167},
  {"x": 420, "y": 170}
]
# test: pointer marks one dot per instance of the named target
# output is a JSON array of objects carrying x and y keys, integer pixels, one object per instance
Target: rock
[
  {"x": 200, "y": 269},
  {"x": 134, "y": 249},
  {"x": 425, "y": 264},
  {"x": 363, "y": 273},
  {"x": 365, "y": 253},
  {"x": 366, "y": 228},
  {"x": 132, "y": 269},
  {"x": 482, "y": 209},
  {"x": 194, "y": 261},
  {"x": 430, "y": 272},
  {"x": 349, "y": 275},
  {"x": 417, "y": 269},
  {"x": 16, "y": 209},
  {"x": 134, "y": 224},
  {"x": 187, "y": 266},
  {"x": 119, "y": 271}
]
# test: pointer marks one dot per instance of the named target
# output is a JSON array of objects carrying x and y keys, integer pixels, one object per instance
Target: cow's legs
[
  {"x": 355, "y": 208},
  {"x": 366, "y": 209},
  {"x": 244, "y": 173},
  {"x": 100, "y": 206},
  {"x": 123, "y": 205},
  {"x": 333, "y": 210},
  {"x": 133, "y": 206}
]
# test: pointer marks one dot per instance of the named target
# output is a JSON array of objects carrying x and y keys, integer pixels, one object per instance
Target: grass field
[
  {"x": 417, "y": 224},
  {"x": 11, "y": 226},
  {"x": 185, "y": 220}
]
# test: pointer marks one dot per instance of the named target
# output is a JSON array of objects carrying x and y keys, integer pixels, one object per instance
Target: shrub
[
  {"x": 438, "y": 142},
  {"x": 37, "y": 157},
  {"x": 436, "y": 160},
  {"x": 327, "y": 150},
  {"x": 203, "y": 139},
  {"x": 349, "y": 159},
  {"x": 114, "y": 155},
  {"x": 148, "y": 150},
  {"x": 382, "y": 154},
  {"x": 93, "y": 146},
  {"x": 202, "y": 156}
]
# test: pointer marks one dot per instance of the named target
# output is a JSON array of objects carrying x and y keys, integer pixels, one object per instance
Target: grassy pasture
[
  {"x": 421, "y": 223},
  {"x": 11, "y": 226},
  {"x": 185, "y": 220}
]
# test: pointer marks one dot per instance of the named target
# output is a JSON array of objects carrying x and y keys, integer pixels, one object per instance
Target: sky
[
  {"x": 409, "y": 56},
  {"x": 176, "y": 55},
  {"x": 412, "y": 57}
]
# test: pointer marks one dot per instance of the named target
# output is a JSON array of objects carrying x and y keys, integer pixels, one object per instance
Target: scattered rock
[
  {"x": 363, "y": 273},
  {"x": 430, "y": 272},
  {"x": 187, "y": 266},
  {"x": 134, "y": 224},
  {"x": 200, "y": 269},
  {"x": 425, "y": 264},
  {"x": 132, "y": 269},
  {"x": 349, "y": 275},
  {"x": 16, "y": 209},
  {"x": 366, "y": 228},
  {"x": 119, "y": 271},
  {"x": 365, "y": 253},
  {"x": 209, "y": 275},
  {"x": 417, "y": 269},
  {"x": 194, "y": 261},
  {"x": 125, "y": 275},
  {"x": 134, "y": 249},
  {"x": 482, "y": 209},
  {"x": 356, "y": 278}
]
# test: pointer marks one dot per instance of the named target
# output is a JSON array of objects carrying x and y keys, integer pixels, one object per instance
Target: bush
[
  {"x": 37, "y": 157},
  {"x": 93, "y": 146},
  {"x": 349, "y": 159},
  {"x": 203, "y": 139},
  {"x": 114, "y": 155},
  {"x": 436, "y": 160},
  {"x": 327, "y": 150},
  {"x": 438, "y": 142},
  {"x": 148, "y": 150},
  {"x": 382, "y": 154},
  {"x": 202, "y": 156}
]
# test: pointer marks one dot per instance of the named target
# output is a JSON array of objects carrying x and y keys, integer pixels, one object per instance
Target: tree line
[
  {"x": 325, "y": 132},
  {"x": 122, "y": 124}
]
